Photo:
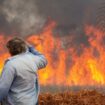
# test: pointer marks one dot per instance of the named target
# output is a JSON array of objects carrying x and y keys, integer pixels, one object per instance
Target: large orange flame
[{"x": 88, "y": 68}]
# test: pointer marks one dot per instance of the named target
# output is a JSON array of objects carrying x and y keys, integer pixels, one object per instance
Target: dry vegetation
[{"x": 73, "y": 98}]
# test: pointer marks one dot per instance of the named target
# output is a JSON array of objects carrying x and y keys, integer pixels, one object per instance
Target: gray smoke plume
[
  {"x": 69, "y": 14},
  {"x": 21, "y": 16},
  {"x": 26, "y": 17}
]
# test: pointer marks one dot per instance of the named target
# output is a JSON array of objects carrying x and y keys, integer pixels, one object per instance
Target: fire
[
  {"x": 56, "y": 56},
  {"x": 3, "y": 53},
  {"x": 65, "y": 66}
]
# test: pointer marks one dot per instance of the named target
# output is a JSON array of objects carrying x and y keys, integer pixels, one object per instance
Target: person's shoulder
[
  {"x": 17, "y": 58},
  {"x": 10, "y": 60},
  {"x": 8, "y": 63}
]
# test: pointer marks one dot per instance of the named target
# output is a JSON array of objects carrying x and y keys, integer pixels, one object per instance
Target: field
[{"x": 84, "y": 97}]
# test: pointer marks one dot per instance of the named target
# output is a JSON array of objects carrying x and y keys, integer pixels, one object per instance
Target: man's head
[{"x": 16, "y": 46}]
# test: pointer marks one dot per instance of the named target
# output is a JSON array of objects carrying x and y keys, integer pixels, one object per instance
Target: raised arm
[
  {"x": 6, "y": 80},
  {"x": 41, "y": 61}
]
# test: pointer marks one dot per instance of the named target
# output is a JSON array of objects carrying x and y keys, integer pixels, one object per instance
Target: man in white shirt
[{"x": 19, "y": 82}]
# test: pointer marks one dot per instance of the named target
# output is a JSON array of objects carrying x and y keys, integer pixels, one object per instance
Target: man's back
[{"x": 24, "y": 89}]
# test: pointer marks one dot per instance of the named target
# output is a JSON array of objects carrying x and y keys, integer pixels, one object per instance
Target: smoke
[
  {"x": 69, "y": 14},
  {"x": 25, "y": 17},
  {"x": 21, "y": 17}
]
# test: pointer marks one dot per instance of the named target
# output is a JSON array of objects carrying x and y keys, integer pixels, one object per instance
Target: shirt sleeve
[
  {"x": 41, "y": 60},
  {"x": 6, "y": 80}
]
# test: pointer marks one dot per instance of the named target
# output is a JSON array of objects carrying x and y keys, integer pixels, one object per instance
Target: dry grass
[{"x": 73, "y": 98}]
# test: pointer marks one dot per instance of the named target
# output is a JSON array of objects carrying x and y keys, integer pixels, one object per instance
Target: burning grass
[{"x": 84, "y": 97}]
